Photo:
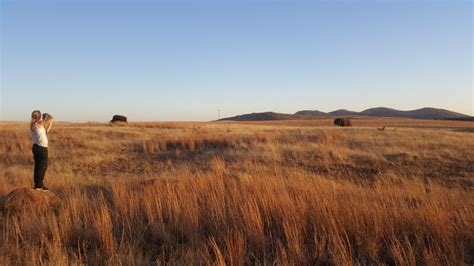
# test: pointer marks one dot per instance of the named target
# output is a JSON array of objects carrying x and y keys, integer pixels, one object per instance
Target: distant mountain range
[{"x": 423, "y": 113}]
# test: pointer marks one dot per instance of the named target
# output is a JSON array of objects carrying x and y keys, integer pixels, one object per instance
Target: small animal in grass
[{"x": 381, "y": 128}]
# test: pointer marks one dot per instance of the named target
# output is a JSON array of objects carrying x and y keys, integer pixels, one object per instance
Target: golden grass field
[{"x": 281, "y": 192}]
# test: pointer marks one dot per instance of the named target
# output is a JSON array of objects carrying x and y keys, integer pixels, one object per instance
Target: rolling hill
[
  {"x": 260, "y": 117},
  {"x": 422, "y": 113},
  {"x": 311, "y": 113},
  {"x": 343, "y": 112}
]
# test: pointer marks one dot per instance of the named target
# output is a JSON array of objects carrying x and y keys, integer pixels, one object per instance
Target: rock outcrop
[
  {"x": 343, "y": 122},
  {"x": 119, "y": 118},
  {"x": 28, "y": 199}
]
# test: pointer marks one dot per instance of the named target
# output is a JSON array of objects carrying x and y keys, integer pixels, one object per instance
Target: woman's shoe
[{"x": 42, "y": 188}]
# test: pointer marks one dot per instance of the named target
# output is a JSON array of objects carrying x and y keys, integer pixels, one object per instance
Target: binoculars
[{"x": 46, "y": 116}]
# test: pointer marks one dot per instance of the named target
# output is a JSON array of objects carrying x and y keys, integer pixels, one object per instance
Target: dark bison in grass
[
  {"x": 342, "y": 122},
  {"x": 119, "y": 118}
]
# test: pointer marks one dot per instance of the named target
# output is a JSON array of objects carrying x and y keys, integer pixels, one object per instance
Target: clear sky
[{"x": 164, "y": 60}]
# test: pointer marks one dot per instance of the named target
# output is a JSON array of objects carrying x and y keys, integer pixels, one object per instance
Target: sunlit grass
[{"x": 236, "y": 193}]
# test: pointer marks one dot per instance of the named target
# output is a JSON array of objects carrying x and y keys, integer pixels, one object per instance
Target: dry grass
[
  {"x": 199, "y": 142},
  {"x": 237, "y": 193},
  {"x": 369, "y": 122}
]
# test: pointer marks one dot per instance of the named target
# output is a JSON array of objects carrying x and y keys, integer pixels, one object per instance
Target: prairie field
[{"x": 280, "y": 192}]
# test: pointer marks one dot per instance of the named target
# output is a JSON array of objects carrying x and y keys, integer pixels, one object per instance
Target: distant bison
[
  {"x": 119, "y": 118},
  {"x": 343, "y": 122}
]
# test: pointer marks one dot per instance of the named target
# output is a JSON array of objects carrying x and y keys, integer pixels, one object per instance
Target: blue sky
[{"x": 163, "y": 60}]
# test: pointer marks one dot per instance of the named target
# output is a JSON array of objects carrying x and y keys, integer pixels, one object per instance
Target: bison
[
  {"x": 342, "y": 122},
  {"x": 119, "y": 118}
]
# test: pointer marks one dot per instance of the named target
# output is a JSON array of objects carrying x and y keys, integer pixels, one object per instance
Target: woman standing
[{"x": 39, "y": 129}]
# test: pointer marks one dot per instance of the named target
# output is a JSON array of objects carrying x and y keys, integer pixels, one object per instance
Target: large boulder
[
  {"x": 119, "y": 118},
  {"x": 28, "y": 199},
  {"x": 342, "y": 122}
]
